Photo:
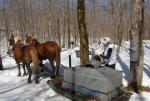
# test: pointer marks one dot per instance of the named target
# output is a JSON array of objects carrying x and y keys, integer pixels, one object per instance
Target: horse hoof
[
  {"x": 36, "y": 82},
  {"x": 19, "y": 75},
  {"x": 53, "y": 76},
  {"x": 29, "y": 81},
  {"x": 24, "y": 74}
]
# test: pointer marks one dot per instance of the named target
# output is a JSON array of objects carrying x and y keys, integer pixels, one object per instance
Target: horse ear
[
  {"x": 30, "y": 34},
  {"x": 34, "y": 36},
  {"x": 8, "y": 39},
  {"x": 12, "y": 35},
  {"x": 26, "y": 35},
  {"x": 19, "y": 40}
]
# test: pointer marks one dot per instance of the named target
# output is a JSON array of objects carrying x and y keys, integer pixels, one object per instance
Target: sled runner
[{"x": 56, "y": 85}]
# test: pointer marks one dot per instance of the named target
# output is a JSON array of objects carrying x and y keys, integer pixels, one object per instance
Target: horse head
[
  {"x": 13, "y": 40},
  {"x": 31, "y": 38}
]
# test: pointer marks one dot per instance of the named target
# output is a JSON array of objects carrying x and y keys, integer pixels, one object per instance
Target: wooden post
[
  {"x": 1, "y": 65},
  {"x": 69, "y": 61}
]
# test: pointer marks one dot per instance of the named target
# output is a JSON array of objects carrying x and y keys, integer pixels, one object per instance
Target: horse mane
[
  {"x": 16, "y": 38},
  {"x": 34, "y": 36}
]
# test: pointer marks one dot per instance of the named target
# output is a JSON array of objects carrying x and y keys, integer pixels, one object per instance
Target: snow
[{"x": 13, "y": 88}]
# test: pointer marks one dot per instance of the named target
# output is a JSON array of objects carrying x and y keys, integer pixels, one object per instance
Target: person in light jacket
[{"x": 109, "y": 54}]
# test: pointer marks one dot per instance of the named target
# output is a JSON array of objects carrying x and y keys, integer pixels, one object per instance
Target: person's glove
[
  {"x": 96, "y": 57},
  {"x": 101, "y": 55},
  {"x": 96, "y": 52}
]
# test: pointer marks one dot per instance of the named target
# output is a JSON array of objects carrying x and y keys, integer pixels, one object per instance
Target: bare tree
[
  {"x": 136, "y": 45},
  {"x": 6, "y": 19},
  {"x": 68, "y": 23},
  {"x": 84, "y": 43},
  {"x": 111, "y": 19}
]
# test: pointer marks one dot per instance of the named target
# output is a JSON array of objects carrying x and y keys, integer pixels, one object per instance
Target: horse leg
[
  {"x": 30, "y": 73},
  {"x": 37, "y": 69},
  {"x": 57, "y": 66},
  {"x": 57, "y": 70},
  {"x": 52, "y": 65},
  {"x": 36, "y": 76},
  {"x": 41, "y": 65},
  {"x": 24, "y": 70},
  {"x": 19, "y": 72},
  {"x": 57, "y": 59},
  {"x": 35, "y": 61}
]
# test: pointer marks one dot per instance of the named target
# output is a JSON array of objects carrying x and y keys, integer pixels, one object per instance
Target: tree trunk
[
  {"x": 59, "y": 37},
  {"x": 136, "y": 40},
  {"x": 84, "y": 43},
  {"x": 68, "y": 23}
]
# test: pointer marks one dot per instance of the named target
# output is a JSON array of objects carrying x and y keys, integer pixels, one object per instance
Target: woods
[{"x": 53, "y": 20}]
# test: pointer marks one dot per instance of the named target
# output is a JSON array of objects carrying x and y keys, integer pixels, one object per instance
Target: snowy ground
[{"x": 13, "y": 88}]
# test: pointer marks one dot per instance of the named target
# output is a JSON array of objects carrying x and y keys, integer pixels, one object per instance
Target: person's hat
[{"x": 106, "y": 40}]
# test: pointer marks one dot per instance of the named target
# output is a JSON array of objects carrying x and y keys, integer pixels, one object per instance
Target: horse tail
[
  {"x": 34, "y": 56},
  {"x": 58, "y": 57}
]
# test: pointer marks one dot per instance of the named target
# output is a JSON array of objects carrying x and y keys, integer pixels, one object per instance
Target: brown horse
[
  {"x": 26, "y": 55},
  {"x": 49, "y": 50}
]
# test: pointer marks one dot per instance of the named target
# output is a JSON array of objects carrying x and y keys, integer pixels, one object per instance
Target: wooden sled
[{"x": 56, "y": 85}]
